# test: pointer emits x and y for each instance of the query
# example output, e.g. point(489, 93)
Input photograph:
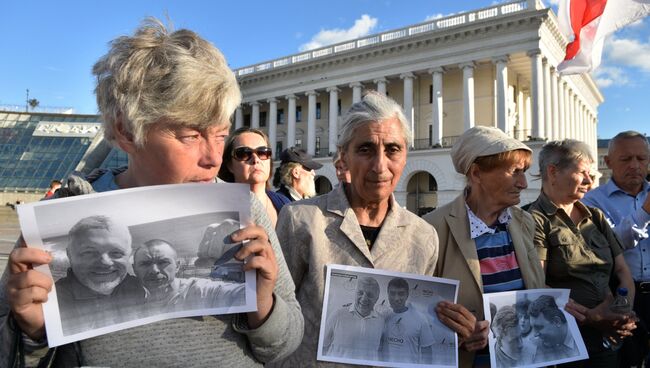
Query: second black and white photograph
point(114, 269)
point(385, 318)
point(530, 328)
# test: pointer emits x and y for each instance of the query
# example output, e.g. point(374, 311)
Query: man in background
point(551, 328)
point(625, 201)
point(296, 174)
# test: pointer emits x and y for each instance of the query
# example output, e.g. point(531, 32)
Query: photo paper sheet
point(385, 318)
point(129, 257)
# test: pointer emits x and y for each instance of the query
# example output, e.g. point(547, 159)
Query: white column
point(239, 118)
point(501, 92)
point(468, 94)
point(356, 91)
point(408, 101)
point(333, 118)
point(273, 123)
point(537, 96)
point(291, 121)
point(255, 115)
point(311, 122)
point(548, 122)
point(436, 106)
point(381, 85)
point(555, 110)
point(564, 105)
point(521, 116)
point(572, 115)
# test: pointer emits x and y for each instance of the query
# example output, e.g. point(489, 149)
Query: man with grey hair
point(297, 172)
point(156, 264)
point(355, 331)
point(625, 202)
point(97, 290)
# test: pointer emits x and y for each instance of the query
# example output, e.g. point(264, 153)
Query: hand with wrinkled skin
point(472, 334)
point(603, 319)
point(262, 259)
point(27, 289)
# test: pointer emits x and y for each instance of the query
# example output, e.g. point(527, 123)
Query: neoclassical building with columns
point(494, 66)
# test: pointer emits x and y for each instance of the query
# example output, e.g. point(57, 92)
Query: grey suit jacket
point(324, 230)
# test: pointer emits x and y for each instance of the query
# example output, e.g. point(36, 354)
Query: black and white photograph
point(530, 328)
point(130, 257)
point(385, 318)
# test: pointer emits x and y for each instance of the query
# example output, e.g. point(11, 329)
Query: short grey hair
point(563, 154)
point(80, 230)
point(156, 74)
point(373, 108)
point(286, 176)
point(628, 134)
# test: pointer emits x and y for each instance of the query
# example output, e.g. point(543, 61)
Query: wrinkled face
point(397, 298)
point(545, 330)
point(99, 259)
point(574, 181)
point(174, 154)
point(366, 298)
point(375, 158)
point(306, 184)
point(512, 339)
point(628, 160)
point(155, 266)
point(253, 170)
point(504, 184)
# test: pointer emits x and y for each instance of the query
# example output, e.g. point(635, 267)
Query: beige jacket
point(324, 230)
point(458, 258)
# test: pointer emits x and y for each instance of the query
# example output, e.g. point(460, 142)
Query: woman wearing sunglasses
point(247, 159)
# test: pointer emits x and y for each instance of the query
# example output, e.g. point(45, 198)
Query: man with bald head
point(97, 290)
point(625, 201)
point(355, 331)
point(156, 263)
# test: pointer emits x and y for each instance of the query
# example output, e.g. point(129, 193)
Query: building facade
point(494, 66)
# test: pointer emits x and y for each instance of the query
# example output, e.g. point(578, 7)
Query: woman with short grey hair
point(357, 223)
point(577, 247)
point(166, 99)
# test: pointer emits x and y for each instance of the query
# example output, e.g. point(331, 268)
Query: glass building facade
point(36, 148)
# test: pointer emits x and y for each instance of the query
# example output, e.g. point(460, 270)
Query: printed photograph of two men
point(130, 257)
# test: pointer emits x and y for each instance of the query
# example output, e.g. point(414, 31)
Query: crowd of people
point(166, 99)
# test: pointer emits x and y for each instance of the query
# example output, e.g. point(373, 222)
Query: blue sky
point(50, 46)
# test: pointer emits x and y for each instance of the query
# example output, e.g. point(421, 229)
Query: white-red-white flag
point(586, 23)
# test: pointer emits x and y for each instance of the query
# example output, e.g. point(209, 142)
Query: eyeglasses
point(245, 153)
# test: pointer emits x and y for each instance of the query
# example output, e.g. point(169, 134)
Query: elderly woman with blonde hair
point(577, 247)
point(166, 99)
point(486, 241)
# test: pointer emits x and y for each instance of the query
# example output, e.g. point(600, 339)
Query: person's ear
point(123, 137)
point(295, 172)
point(474, 173)
point(607, 161)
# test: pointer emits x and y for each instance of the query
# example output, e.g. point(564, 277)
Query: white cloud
point(434, 17)
point(362, 27)
point(628, 52)
point(607, 76)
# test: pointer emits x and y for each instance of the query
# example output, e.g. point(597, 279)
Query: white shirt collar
point(477, 227)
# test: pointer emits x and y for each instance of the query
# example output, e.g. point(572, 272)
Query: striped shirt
point(496, 253)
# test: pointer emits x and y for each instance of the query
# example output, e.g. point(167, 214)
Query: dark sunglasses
point(245, 153)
